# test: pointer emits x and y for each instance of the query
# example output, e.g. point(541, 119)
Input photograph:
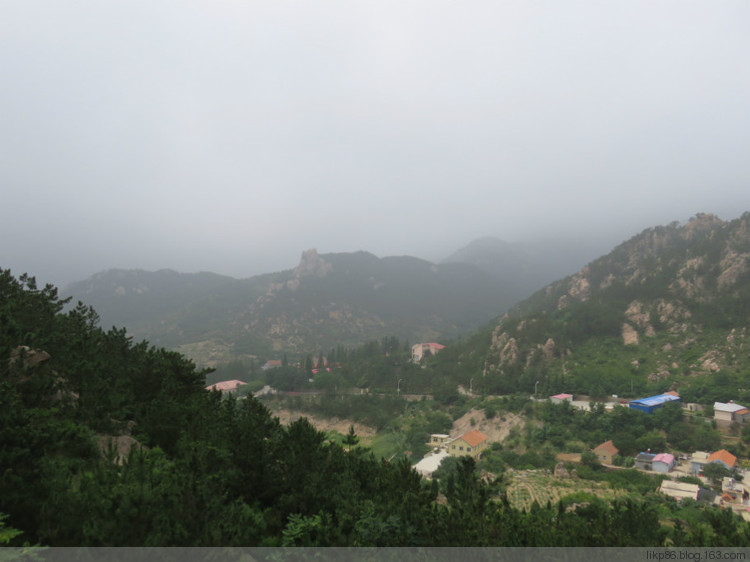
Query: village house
point(729, 413)
point(471, 443)
point(606, 452)
point(418, 350)
point(732, 491)
point(679, 490)
point(644, 461)
point(271, 364)
point(663, 462)
point(438, 439)
point(559, 398)
point(697, 462)
point(226, 386)
point(652, 403)
point(724, 458)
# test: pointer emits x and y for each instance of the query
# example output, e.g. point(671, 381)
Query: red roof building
point(471, 443)
point(724, 457)
point(418, 350)
point(606, 452)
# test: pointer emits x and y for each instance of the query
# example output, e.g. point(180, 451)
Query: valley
point(542, 397)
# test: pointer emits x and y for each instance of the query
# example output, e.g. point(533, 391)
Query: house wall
point(642, 408)
point(438, 440)
point(723, 418)
point(603, 456)
point(722, 463)
point(659, 466)
point(460, 448)
point(644, 461)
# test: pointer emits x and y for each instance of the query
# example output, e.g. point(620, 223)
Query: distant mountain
point(667, 309)
point(525, 267)
point(136, 298)
point(326, 300)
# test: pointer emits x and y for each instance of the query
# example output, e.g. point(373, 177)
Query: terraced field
point(527, 486)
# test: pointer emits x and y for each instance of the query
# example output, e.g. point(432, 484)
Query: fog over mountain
point(229, 137)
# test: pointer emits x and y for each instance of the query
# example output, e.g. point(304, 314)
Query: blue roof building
point(651, 403)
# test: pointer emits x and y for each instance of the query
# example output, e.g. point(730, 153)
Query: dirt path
point(342, 426)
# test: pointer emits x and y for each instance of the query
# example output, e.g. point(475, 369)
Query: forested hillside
point(327, 300)
point(206, 470)
point(668, 309)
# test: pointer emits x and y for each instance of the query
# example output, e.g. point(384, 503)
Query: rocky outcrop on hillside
point(679, 294)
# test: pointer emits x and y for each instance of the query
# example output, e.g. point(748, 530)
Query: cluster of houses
point(733, 493)
point(471, 443)
point(725, 414)
point(664, 462)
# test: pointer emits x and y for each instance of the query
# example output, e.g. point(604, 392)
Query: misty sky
point(230, 136)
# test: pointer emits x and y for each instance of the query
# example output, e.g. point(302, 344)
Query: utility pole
point(398, 387)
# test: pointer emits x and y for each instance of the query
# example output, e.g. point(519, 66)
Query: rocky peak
point(312, 264)
point(700, 223)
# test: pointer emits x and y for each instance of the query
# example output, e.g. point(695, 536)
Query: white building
point(418, 350)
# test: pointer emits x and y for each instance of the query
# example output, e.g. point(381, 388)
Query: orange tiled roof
point(725, 456)
point(608, 447)
point(474, 437)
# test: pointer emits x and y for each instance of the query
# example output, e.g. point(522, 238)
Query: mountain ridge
point(327, 299)
point(662, 310)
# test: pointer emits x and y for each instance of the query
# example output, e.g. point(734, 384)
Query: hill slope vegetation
point(668, 309)
point(327, 300)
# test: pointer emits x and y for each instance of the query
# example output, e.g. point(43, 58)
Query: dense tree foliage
point(204, 469)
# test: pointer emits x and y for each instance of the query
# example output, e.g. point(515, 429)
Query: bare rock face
point(701, 222)
point(312, 264)
point(639, 316)
point(733, 265)
point(688, 281)
point(499, 339)
point(710, 361)
point(118, 446)
point(27, 357)
point(509, 354)
point(670, 312)
point(661, 374)
point(487, 477)
point(561, 471)
point(629, 334)
point(607, 281)
point(579, 289)
point(548, 349)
